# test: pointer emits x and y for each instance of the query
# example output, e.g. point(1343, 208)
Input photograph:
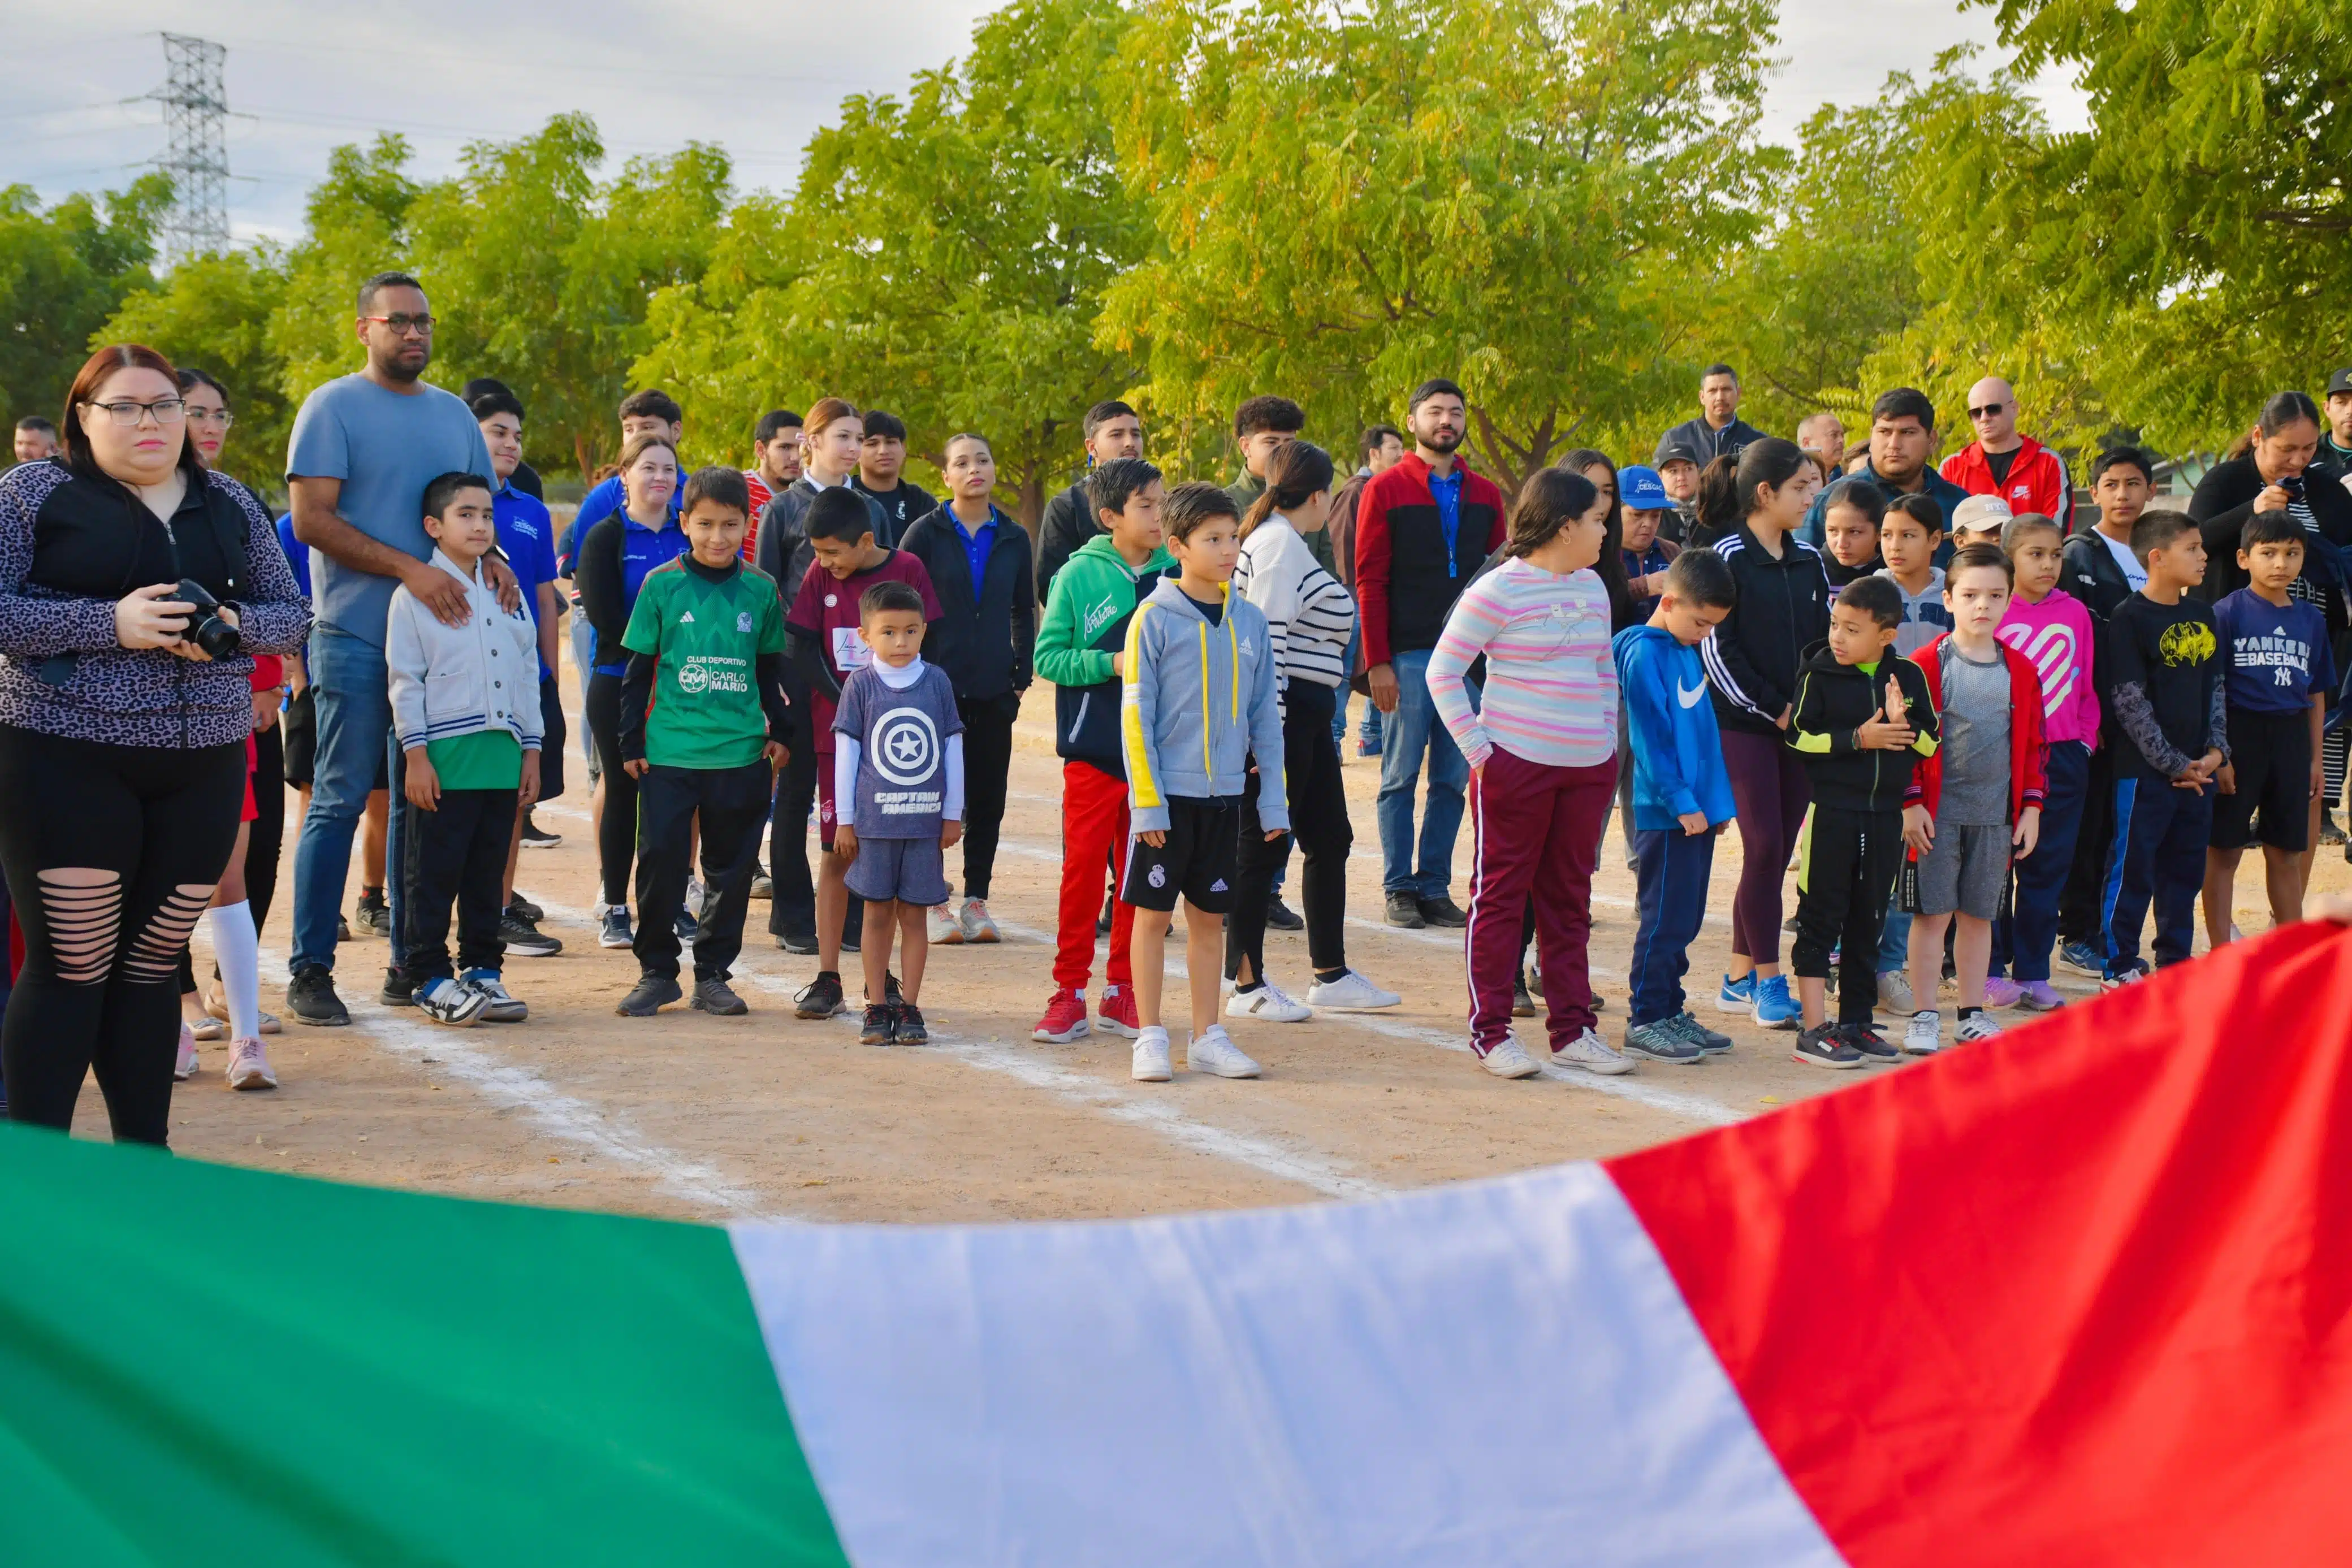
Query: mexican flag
point(2079, 1295)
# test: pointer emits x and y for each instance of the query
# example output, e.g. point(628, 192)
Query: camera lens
point(216, 637)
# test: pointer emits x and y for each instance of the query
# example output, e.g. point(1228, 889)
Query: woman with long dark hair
point(2265, 471)
point(1751, 659)
point(1542, 748)
point(1310, 620)
point(135, 585)
point(233, 1010)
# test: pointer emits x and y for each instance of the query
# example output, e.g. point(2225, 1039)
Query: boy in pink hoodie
point(2054, 630)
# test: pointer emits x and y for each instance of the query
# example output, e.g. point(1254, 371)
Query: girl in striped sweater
point(1309, 620)
point(1542, 748)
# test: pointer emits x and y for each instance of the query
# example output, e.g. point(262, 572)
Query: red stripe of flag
point(2075, 1295)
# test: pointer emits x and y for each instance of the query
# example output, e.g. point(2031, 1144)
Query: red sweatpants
point(1533, 828)
point(1094, 842)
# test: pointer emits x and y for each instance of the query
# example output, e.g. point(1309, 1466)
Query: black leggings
point(1319, 821)
point(987, 763)
point(616, 829)
point(112, 852)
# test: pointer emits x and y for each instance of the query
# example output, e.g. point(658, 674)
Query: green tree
point(1530, 196)
point(355, 225)
point(946, 257)
point(63, 270)
point(2190, 248)
point(212, 313)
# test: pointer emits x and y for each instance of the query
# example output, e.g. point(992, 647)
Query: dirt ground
point(703, 1118)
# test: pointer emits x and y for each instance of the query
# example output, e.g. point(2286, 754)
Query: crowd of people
point(1987, 738)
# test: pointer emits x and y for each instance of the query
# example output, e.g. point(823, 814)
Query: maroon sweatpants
point(1533, 829)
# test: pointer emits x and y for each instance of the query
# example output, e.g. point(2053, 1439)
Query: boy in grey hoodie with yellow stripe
point(1197, 704)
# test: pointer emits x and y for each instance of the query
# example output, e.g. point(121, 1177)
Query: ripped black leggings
point(112, 853)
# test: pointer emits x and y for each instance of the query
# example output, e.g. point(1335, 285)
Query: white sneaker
point(1152, 1064)
point(979, 925)
point(1895, 993)
point(1268, 1004)
point(941, 925)
point(185, 1066)
point(248, 1067)
point(1509, 1060)
point(1593, 1054)
point(1351, 993)
point(1979, 1026)
point(1923, 1036)
point(448, 1001)
point(499, 1006)
point(1215, 1053)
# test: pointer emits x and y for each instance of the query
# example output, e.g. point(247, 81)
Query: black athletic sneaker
point(1404, 909)
point(535, 836)
point(801, 941)
point(890, 989)
point(1443, 911)
point(1102, 921)
point(718, 999)
point(820, 998)
point(399, 989)
point(652, 991)
point(521, 904)
point(311, 996)
point(1873, 1046)
point(1824, 1046)
point(881, 1026)
point(910, 1025)
point(373, 915)
point(525, 940)
point(343, 929)
point(1523, 1006)
point(1280, 916)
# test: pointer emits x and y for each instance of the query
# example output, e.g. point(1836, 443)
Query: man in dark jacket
point(1113, 431)
point(1902, 440)
point(1422, 529)
point(1718, 431)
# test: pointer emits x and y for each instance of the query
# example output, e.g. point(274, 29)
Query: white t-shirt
point(2134, 573)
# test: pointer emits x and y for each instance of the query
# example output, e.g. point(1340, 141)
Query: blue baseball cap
point(1641, 489)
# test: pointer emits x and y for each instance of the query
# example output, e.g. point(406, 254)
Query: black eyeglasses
point(1988, 411)
point(402, 326)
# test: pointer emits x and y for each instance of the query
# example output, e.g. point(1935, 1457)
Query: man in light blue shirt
point(363, 448)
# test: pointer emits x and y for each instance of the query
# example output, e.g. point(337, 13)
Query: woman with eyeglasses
point(231, 1011)
point(135, 587)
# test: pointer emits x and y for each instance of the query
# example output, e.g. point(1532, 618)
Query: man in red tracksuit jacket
point(1999, 461)
point(1422, 529)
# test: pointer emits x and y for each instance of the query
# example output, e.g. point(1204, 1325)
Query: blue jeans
point(584, 659)
point(1405, 734)
point(1339, 709)
point(355, 741)
point(1895, 945)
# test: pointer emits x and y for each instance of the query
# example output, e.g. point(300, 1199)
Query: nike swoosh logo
point(1690, 698)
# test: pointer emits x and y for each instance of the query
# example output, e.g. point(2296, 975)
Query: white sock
point(237, 948)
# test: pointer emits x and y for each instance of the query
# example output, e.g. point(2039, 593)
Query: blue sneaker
point(1775, 1007)
point(2084, 959)
point(1737, 996)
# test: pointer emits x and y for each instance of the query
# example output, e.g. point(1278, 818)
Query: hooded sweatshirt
point(1925, 618)
point(1093, 596)
point(2057, 636)
point(1198, 700)
point(1833, 701)
point(1678, 750)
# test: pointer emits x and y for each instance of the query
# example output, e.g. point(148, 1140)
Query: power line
point(195, 108)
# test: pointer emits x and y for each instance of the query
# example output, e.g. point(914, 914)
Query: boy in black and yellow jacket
point(1862, 715)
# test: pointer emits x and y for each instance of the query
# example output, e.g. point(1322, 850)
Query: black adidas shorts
point(2269, 755)
point(1201, 861)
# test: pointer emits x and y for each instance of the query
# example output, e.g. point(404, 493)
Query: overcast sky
point(304, 76)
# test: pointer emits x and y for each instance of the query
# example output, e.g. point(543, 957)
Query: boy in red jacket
point(1974, 801)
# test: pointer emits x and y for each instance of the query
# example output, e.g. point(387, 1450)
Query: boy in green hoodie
point(1080, 646)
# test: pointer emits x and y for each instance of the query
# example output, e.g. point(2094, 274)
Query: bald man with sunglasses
point(1999, 461)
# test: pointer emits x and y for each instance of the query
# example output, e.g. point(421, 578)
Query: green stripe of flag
point(201, 1365)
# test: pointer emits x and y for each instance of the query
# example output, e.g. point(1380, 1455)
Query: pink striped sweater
point(1550, 695)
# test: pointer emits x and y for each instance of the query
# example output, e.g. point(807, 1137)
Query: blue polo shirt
point(976, 545)
point(600, 502)
point(642, 549)
point(527, 534)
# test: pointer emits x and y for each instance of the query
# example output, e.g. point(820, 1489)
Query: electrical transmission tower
point(195, 108)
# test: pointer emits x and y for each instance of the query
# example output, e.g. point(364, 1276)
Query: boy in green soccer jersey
point(702, 726)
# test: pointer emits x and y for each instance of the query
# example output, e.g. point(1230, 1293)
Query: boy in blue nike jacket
point(1682, 798)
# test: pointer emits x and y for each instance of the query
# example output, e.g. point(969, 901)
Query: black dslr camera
point(206, 629)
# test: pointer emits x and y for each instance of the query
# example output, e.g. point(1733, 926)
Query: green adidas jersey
point(706, 638)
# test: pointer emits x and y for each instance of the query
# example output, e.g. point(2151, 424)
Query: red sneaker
point(1065, 1019)
point(1117, 1015)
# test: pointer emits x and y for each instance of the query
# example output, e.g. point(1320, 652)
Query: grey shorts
point(1967, 871)
point(913, 871)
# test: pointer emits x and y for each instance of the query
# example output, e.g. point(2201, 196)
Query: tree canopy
point(64, 269)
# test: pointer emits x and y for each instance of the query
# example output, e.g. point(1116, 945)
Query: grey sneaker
point(1699, 1035)
point(717, 998)
point(1660, 1041)
point(1894, 994)
point(649, 995)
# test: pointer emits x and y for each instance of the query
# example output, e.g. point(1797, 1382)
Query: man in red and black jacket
point(1422, 529)
point(1999, 461)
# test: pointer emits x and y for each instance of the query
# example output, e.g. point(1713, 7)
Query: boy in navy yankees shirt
point(2278, 669)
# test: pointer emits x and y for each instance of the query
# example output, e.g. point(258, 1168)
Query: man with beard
point(1902, 445)
point(1718, 431)
point(775, 463)
point(363, 448)
point(1422, 531)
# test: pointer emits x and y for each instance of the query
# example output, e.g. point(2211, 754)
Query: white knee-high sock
point(236, 947)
